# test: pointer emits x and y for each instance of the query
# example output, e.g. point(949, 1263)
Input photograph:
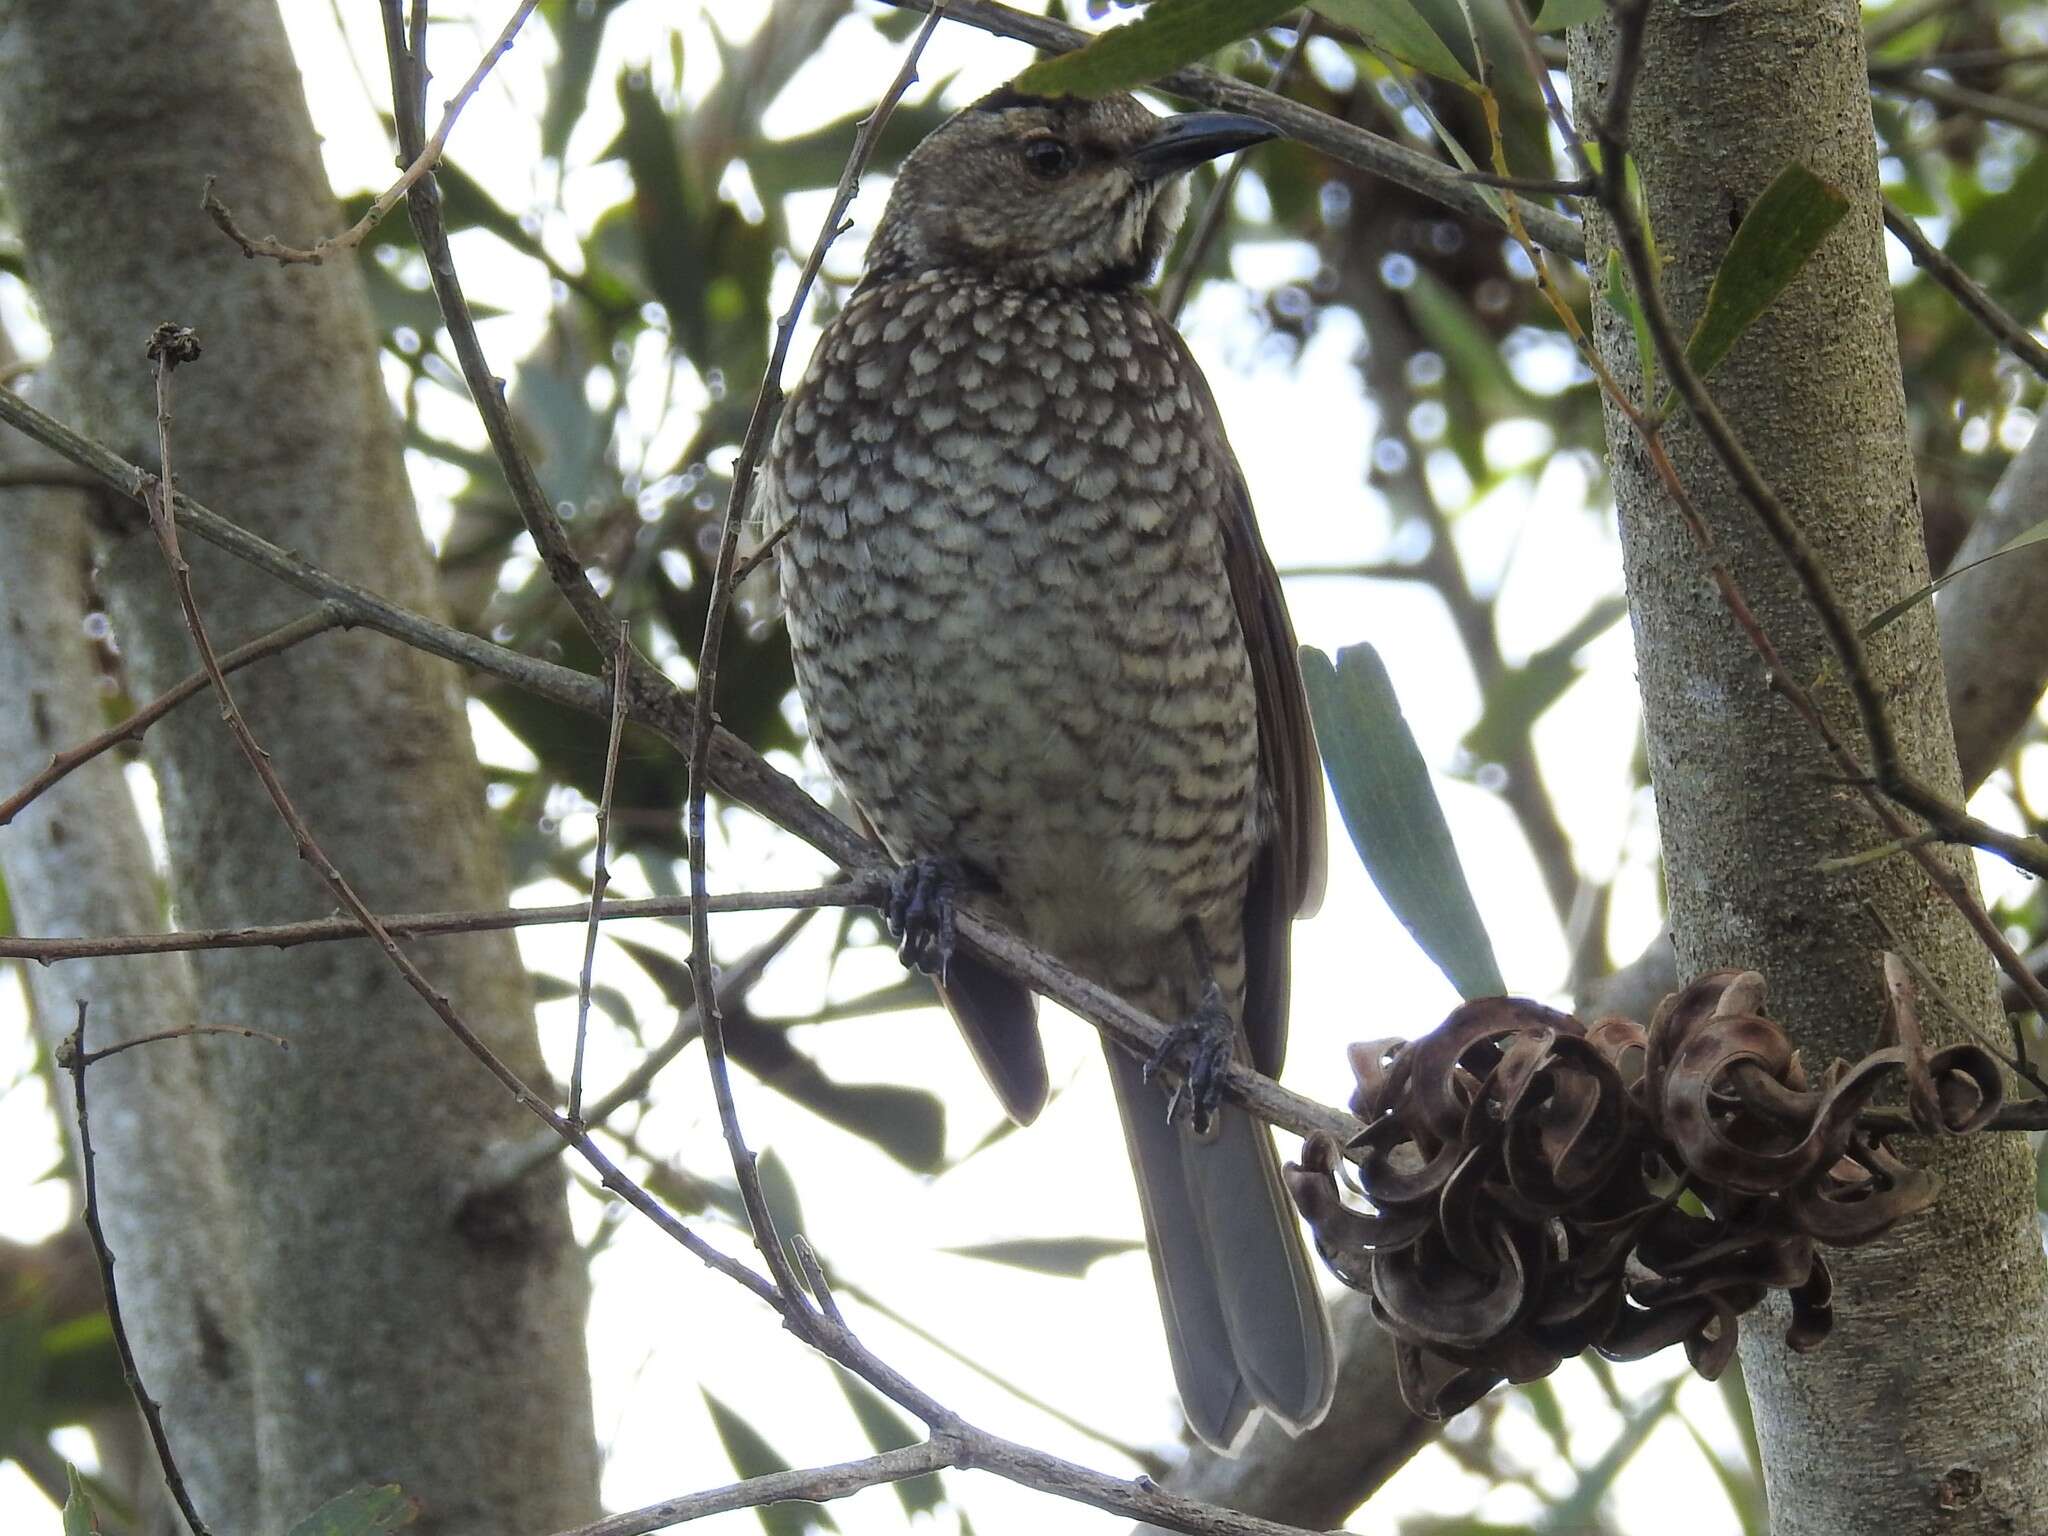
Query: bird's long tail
point(1244, 1324)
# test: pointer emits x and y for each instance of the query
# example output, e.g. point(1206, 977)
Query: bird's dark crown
point(1038, 191)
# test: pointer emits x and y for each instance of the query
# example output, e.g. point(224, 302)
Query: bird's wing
point(1287, 879)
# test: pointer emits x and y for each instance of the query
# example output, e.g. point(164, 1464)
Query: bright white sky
point(662, 1327)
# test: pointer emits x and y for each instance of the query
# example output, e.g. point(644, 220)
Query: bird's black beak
point(1184, 142)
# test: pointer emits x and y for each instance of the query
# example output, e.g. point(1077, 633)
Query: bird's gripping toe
point(1201, 1044)
point(920, 914)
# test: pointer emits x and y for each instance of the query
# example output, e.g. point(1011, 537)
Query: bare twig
point(73, 1058)
point(415, 925)
point(1993, 109)
point(813, 1485)
point(1175, 293)
point(1967, 291)
point(508, 1164)
point(183, 1031)
point(423, 162)
point(1339, 140)
point(600, 876)
point(71, 759)
point(767, 401)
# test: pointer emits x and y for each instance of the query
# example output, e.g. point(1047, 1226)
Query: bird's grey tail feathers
point(998, 1017)
point(1244, 1324)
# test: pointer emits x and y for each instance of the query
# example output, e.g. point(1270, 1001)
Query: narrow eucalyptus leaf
point(1905, 605)
point(1391, 811)
point(1782, 229)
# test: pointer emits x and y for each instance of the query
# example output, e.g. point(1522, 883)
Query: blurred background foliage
point(634, 399)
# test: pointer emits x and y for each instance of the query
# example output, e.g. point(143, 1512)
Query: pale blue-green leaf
point(1391, 811)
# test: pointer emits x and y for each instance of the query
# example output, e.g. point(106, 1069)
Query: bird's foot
point(1201, 1044)
point(919, 911)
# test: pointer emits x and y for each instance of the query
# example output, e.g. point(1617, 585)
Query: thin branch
point(1175, 294)
point(510, 1163)
point(422, 163)
point(1993, 109)
point(414, 925)
point(600, 876)
point(767, 401)
point(183, 1031)
point(73, 1058)
point(1967, 291)
point(812, 1485)
point(72, 759)
point(1339, 140)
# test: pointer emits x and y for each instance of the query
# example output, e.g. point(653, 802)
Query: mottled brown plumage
point(1040, 643)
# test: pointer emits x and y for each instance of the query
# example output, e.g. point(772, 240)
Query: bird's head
point(1050, 191)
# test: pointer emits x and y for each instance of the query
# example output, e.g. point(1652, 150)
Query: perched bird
point(1045, 654)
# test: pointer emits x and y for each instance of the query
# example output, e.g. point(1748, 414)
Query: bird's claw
point(1202, 1044)
point(919, 912)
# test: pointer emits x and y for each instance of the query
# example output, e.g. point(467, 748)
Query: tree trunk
point(76, 862)
point(1928, 1406)
point(388, 1342)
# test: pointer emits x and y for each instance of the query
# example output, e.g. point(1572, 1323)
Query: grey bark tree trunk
point(1928, 1407)
point(76, 862)
point(385, 1339)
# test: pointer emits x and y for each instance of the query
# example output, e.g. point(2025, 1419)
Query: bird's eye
point(1049, 159)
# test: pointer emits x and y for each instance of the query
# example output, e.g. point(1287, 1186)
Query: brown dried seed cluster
point(1539, 1187)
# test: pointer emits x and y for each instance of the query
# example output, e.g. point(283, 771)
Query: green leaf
point(1069, 1257)
point(80, 1518)
point(1391, 811)
point(1576, 1511)
point(1621, 298)
point(752, 1456)
point(1556, 15)
point(361, 1512)
point(1905, 605)
point(1541, 1397)
point(579, 32)
point(1784, 227)
point(1744, 1494)
point(1396, 27)
point(1170, 34)
point(888, 1430)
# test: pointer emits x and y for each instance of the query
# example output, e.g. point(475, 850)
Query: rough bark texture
point(1928, 1407)
point(76, 862)
point(1994, 625)
point(387, 1342)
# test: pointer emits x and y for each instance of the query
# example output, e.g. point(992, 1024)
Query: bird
point(1043, 651)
